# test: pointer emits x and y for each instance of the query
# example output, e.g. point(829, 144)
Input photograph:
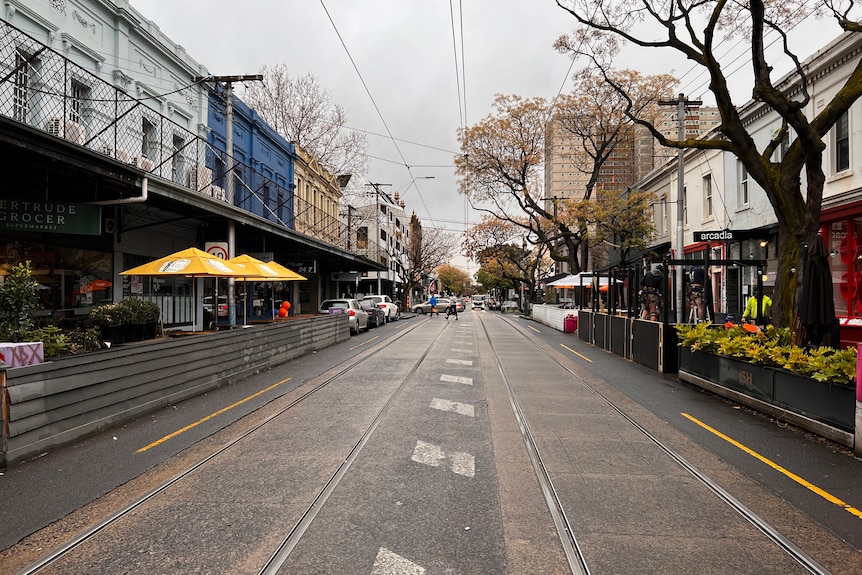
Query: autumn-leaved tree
point(506, 257)
point(695, 29)
point(303, 112)
point(599, 137)
point(501, 167)
point(623, 220)
point(452, 279)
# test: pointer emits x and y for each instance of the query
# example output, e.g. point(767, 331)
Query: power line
point(373, 102)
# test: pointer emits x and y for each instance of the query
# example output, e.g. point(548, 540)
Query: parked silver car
point(350, 306)
point(442, 304)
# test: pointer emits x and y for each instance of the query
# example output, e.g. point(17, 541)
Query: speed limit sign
point(217, 249)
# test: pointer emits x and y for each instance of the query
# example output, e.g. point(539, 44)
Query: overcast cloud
point(404, 54)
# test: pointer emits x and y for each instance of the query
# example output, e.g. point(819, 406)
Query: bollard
point(857, 440)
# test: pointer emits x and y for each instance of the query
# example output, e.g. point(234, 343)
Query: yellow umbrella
point(264, 271)
point(257, 269)
point(188, 262)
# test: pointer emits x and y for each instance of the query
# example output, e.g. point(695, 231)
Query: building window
point(148, 139)
point(362, 238)
point(176, 160)
point(79, 95)
point(742, 173)
point(707, 196)
point(663, 223)
point(842, 143)
point(21, 90)
point(685, 205)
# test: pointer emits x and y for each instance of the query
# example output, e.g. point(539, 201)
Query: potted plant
point(110, 319)
point(141, 317)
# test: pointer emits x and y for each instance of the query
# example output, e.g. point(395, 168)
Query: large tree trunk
point(798, 224)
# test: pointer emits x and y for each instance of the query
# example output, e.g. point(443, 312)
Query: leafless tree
point(303, 112)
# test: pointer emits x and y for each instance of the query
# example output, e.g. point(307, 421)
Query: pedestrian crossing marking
point(456, 379)
point(433, 455)
point(389, 563)
point(453, 406)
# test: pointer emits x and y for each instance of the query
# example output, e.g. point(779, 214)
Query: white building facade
point(718, 195)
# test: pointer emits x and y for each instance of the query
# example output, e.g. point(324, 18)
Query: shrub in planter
point(55, 341)
point(772, 347)
point(110, 319)
point(17, 299)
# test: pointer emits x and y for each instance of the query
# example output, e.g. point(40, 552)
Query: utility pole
point(229, 175)
point(681, 104)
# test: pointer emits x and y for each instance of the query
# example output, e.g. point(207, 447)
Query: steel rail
point(331, 375)
point(274, 563)
point(574, 555)
point(758, 522)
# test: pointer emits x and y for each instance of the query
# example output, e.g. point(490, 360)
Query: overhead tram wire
point(374, 103)
point(461, 96)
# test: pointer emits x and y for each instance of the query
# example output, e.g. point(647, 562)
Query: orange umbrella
point(95, 285)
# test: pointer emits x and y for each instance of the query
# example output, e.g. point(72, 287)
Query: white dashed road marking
point(453, 406)
point(460, 361)
point(429, 454)
point(457, 379)
point(389, 563)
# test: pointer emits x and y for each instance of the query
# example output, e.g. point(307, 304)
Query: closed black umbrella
point(817, 304)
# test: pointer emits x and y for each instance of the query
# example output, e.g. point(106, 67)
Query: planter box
point(150, 329)
point(754, 380)
point(706, 365)
point(116, 334)
point(827, 402)
point(830, 404)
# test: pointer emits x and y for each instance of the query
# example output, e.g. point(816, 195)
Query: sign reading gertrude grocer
point(50, 217)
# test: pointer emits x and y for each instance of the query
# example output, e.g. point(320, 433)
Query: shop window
point(846, 266)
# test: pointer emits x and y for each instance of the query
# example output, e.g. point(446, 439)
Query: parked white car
point(389, 307)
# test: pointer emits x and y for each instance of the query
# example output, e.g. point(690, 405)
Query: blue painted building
point(263, 161)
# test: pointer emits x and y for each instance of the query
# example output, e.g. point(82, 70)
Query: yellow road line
point(208, 417)
point(810, 486)
point(534, 329)
point(576, 353)
point(366, 342)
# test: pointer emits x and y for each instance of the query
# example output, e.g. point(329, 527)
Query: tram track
point(288, 542)
point(565, 531)
point(274, 552)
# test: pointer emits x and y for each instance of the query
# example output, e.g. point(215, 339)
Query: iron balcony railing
point(45, 90)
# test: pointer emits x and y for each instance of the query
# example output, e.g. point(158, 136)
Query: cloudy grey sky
point(396, 72)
